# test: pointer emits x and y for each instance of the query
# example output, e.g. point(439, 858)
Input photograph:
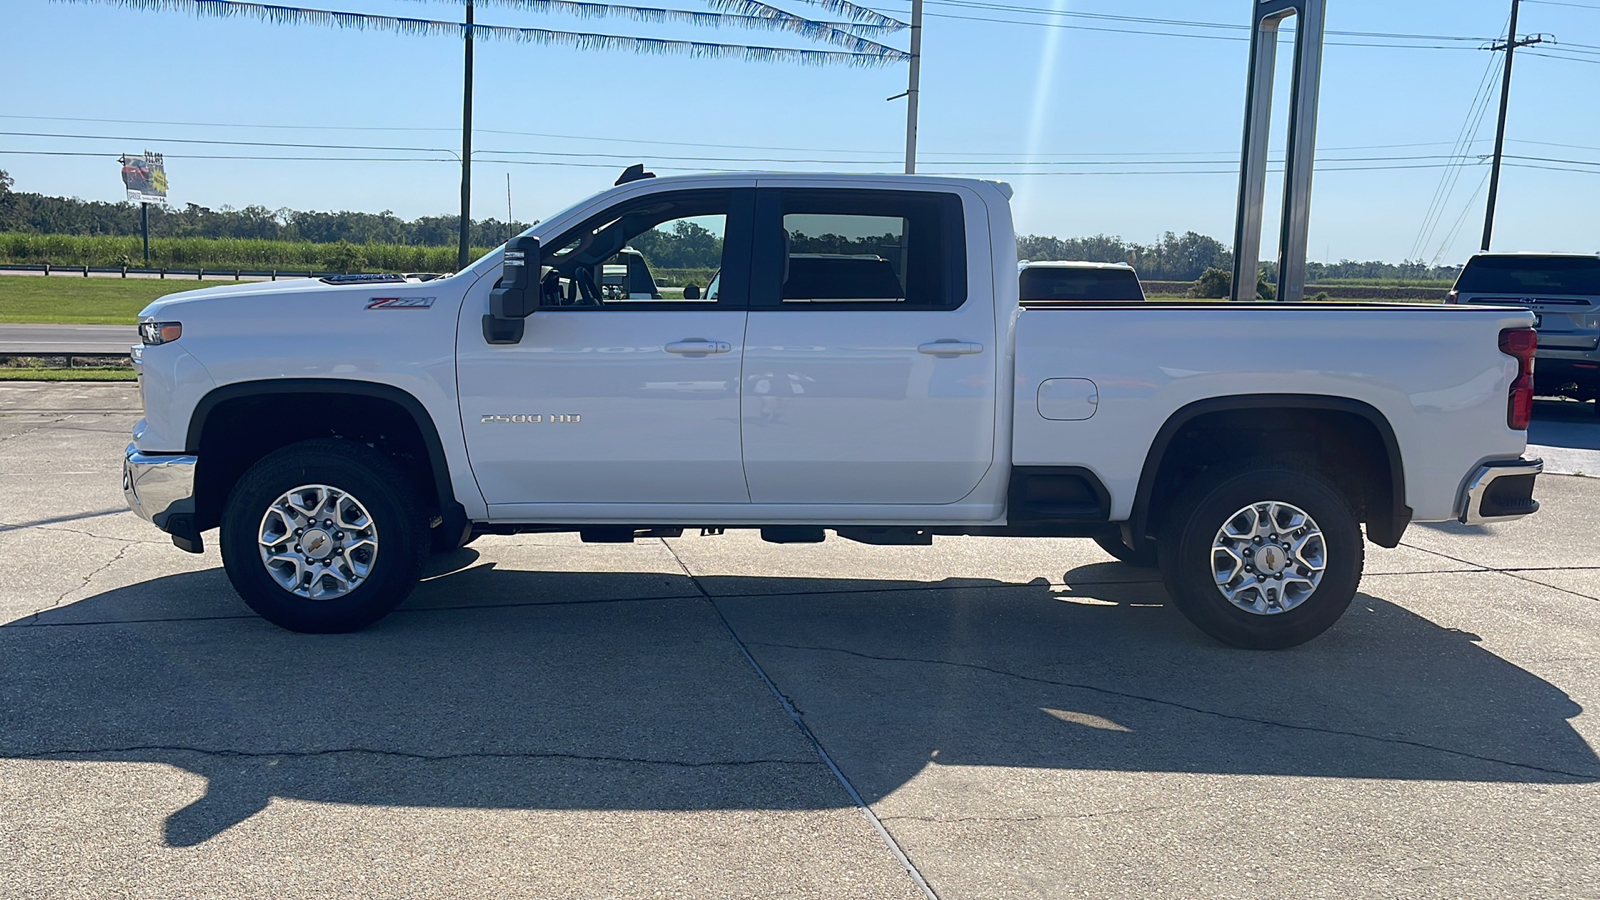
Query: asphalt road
point(546, 718)
point(67, 339)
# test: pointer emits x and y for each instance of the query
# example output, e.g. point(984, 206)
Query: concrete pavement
point(546, 718)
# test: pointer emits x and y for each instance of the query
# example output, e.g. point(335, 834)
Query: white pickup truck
point(860, 363)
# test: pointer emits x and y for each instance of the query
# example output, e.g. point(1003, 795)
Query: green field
point(84, 301)
point(222, 254)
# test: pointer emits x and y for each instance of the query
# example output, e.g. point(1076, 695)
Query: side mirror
point(691, 292)
point(515, 295)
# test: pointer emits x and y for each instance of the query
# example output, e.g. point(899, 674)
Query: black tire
point(1196, 518)
point(1143, 558)
point(370, 477)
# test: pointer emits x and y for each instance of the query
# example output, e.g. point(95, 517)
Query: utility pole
point(914, 87)
point(1510, 47)
point(466, 152)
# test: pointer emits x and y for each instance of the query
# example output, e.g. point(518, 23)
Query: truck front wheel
point(324, 536)
point(1262, 559)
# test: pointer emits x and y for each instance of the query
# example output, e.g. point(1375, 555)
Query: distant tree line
point(30, 213)
point(1186, 257)
point(1174, 257)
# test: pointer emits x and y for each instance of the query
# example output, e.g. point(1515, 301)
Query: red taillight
point(1520, 344)
point(1453, 297)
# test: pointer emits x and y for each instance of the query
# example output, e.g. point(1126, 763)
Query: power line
point(1465, 137)
point(558, 154)
point(1565, 3)
point(1187, 23)
point(216, 142)
point(1576, 59)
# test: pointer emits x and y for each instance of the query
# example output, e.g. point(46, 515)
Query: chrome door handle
point(950, 348)
point(698, 347)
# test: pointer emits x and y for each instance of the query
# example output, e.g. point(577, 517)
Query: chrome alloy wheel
point(1268, 558)
point(318, 542)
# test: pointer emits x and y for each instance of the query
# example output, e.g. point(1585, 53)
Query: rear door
point(869, 358)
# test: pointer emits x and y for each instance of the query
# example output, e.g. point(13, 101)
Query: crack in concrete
point(229, 753)
point(35, 428)
point(1198, 710)
point(8, 526)
point(86, 579)
point(957, 820)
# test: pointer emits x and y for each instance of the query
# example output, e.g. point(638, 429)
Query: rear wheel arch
point(1349, 439)
point(236, 425)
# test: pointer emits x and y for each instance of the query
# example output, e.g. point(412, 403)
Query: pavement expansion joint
point(799, 721)
point(229, 753)
point(1512, 571)
point(1593, 776)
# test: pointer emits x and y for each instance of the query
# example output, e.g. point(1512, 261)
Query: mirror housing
point(691, 292)
point(516, 295)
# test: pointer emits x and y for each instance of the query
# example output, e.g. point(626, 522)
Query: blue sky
point(999, 101)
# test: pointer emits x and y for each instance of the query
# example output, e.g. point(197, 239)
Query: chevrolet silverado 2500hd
point(860, 363)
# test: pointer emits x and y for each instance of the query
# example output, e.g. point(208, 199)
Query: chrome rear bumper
point(160, 488)
point(1500, 492)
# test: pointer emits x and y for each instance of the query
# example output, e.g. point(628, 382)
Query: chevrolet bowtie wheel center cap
point(318, 542)
point(1268, 558)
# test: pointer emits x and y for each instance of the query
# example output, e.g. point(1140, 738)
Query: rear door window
point(859, 249)
point(1526, 275)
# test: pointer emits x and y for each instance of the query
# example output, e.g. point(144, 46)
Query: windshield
point(1531, 274)
point(1086, 285)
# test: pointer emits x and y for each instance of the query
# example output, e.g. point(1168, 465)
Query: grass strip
point(59, 300)
point(85, 374)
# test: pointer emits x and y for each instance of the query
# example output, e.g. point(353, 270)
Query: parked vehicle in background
point(1079, 282)
point(1563, 291)
point(862, 364)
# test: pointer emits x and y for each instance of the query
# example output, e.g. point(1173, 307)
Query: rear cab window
point(1530, 275)
point(1083, 285)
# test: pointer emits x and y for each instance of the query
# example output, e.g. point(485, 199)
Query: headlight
point(154, 333)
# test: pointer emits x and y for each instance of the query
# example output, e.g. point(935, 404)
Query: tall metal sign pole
point(466, 151)
point(914, 86)
point(1268, 16)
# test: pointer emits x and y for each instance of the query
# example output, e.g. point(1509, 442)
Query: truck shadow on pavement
point(503, 689)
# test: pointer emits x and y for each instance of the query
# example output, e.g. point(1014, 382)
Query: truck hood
point(173, 305)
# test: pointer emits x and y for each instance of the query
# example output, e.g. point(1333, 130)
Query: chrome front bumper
point(1500, 492)
point(160, 488)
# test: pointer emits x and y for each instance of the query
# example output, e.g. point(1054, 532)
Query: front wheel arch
point(234, 426)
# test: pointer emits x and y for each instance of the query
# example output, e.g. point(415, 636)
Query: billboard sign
point(145, 177)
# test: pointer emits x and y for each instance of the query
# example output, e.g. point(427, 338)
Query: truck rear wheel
point(1262, 559)
point(323, 537)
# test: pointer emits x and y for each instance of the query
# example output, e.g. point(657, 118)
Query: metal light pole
point(466, 151)
point(913, 87)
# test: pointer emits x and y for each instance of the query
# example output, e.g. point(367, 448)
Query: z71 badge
point(399, 303)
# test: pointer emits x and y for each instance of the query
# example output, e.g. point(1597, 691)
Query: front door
point(869, 360)
point(627, 389)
